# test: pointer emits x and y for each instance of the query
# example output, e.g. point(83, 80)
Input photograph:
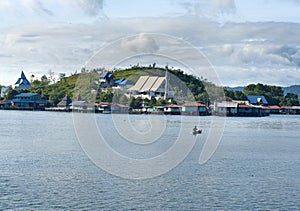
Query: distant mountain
point(238, 88)
point(292, 89)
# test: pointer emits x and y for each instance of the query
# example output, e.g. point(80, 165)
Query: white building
point(151, 86)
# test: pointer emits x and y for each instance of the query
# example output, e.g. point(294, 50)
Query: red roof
point(194, 104)
point(90, 104)
point(287, 107)
point(271, 107)
point(172, 106)
point(245, 106)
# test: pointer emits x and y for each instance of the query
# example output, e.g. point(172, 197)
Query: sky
point(241, 41)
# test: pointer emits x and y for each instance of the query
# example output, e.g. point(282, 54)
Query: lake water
point(43, 166)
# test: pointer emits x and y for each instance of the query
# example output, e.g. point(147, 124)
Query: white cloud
point(37, 6)
point(244, 50)
point(226, 6)
point(5, 4)
point(216, 10)
point(87, 7)
point(140, 43)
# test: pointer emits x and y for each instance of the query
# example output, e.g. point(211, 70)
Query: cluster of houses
point(255, 106)
point(146, 87)
point(24, 101)
point(80, 105)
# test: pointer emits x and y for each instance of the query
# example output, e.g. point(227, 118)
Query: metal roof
point(140, 83)
point(149, 83)
point(120, 80)
point(103, 75)
point(194, 104)
point(157, 84)
point(254, 99)
point(26, 95)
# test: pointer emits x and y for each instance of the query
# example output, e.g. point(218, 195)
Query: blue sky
point(245, 41)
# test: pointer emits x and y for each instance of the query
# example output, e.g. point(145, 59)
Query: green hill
point(86, 84)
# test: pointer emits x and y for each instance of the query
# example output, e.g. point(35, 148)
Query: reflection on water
point(256, 166)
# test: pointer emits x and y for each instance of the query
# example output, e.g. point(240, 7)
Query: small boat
point(196, 131)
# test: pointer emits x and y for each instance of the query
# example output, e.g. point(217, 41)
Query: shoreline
point(140, 112)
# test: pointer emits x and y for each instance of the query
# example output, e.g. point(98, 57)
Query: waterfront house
point(194, 108)
point(229, 107)
point(272, 109)
point(77, 105)
point(119, 108)
point(5, 104)
point(104, 108)
point(29, 101)
point(157, 110)
point(172, 109)
point(296, 109)
point(89, 107)
point(225, 108)
point(64, 104)
point(249, 110)
point(290, 110)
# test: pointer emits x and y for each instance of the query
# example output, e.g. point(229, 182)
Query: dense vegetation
point(185, 86)
point(54, 92)
point(200, 89)
point(273, 94)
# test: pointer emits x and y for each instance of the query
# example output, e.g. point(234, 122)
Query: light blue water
point(256, 166)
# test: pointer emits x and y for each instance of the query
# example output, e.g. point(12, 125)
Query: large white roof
point(140, 83)
point(148, 83)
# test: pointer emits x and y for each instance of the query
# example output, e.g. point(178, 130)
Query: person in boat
point(195, 129)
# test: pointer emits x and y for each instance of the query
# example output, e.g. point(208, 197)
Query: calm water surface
point(43, 167)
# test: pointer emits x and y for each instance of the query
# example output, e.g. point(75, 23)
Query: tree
point(123, 100)
point(152, 101)
point(290, 99)
point(10, 93)
point(62, 76)
point(161, 102)
point(273, 94)
point(202, 98)
point(135, 102)
point(51, 76)
point(32, 77)
point(235, 95)
point(45, 80)
point(106, 96)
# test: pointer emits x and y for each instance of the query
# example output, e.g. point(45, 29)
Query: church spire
point(22, 82)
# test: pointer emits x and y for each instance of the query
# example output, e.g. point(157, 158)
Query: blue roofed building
point(123, 84)
point(22, 82)
point(257, 100)
point(29, 101)
point(106, 80)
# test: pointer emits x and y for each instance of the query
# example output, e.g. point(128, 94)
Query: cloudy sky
point(243, 41)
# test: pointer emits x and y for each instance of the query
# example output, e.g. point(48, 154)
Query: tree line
point(201, 90)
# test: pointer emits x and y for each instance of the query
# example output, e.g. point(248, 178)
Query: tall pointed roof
point(65, 101)
point(22, 82)
point(78, 98)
